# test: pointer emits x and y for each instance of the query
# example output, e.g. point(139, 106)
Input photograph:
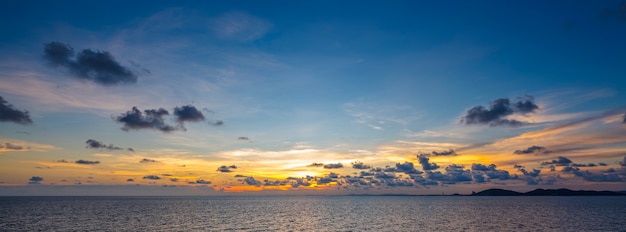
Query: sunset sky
point(299, 97)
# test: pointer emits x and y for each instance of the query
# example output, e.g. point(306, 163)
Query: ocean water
point(313, 213)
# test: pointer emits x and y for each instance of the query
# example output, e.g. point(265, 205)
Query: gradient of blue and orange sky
point(298, 97)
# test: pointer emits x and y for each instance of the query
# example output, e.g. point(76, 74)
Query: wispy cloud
point(240, 26)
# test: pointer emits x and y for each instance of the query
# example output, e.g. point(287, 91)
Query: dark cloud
point(10, 114)
point(333, 166)
point(315, 165)
point(94, 144)
point(360, 165)
point(188, 113)
point(10, 146)
point(444, 153)
point(406, 167)
point(130, 180)
point(426, 166)
point(225, 168)
point(498, 110)
point(243, 138)
point(152, 177)
point(149, 119)
point(86, 162)
point(62, 161)
point(146, 160)
point(203, 182)
point(239, 176)
point(217, 123)
point(174, 179)
point(130, 149)
point(251, 181)
point(36, 178)
point(561, 161)
point(97, 66)
point(624, 118)
point(537, 150)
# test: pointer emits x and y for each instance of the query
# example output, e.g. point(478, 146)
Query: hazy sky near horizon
point(331, 97)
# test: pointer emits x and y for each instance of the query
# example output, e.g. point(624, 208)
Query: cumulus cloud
point(426, 166)
point(94, 144)
point(97, 66)
point(537, 150)
point(149, 119)
point(146, 160)
point(10, 114)
point(496, 113)
point(155, 118)
point(251, 181)
point(152, 177)
point(87, 161)
point(10, 146)
point(360, 165)
point(188, 113)
point(406, 167)
point(561, 161)
point(225, 168)
point(333, 166)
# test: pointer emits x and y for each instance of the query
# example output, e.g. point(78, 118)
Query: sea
point(314, 213)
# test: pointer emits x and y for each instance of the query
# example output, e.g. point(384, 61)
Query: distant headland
point(547, 192)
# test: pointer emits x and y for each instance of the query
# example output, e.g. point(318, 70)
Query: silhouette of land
point(547, 192)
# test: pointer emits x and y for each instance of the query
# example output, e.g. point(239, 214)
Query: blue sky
point(273, 88)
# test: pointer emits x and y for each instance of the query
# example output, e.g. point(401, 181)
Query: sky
point(323, 98)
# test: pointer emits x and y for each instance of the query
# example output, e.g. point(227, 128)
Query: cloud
point(86, 162)
point(94, 144)
point(240, 26)
point(136, 120)
point(561, 161)
point(624, 118)
point(537, 150)
point(12, 147)
point(152, 177)
point(360, 165)
point(498, 110)
point(315, 165)
point(188, 113)
point(225, 168)
point(146, 160)
point(407, 167)
point(444, 153)
point(217, 123)
point(251, 181)
point(35, 180)
point(97, 66)
point(243, 138)
point(203, 182)
point(9, 114)
point(426, 166)
point(130, 180)
point(333, 166)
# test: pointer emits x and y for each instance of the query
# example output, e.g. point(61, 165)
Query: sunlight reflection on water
point(313, 213)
